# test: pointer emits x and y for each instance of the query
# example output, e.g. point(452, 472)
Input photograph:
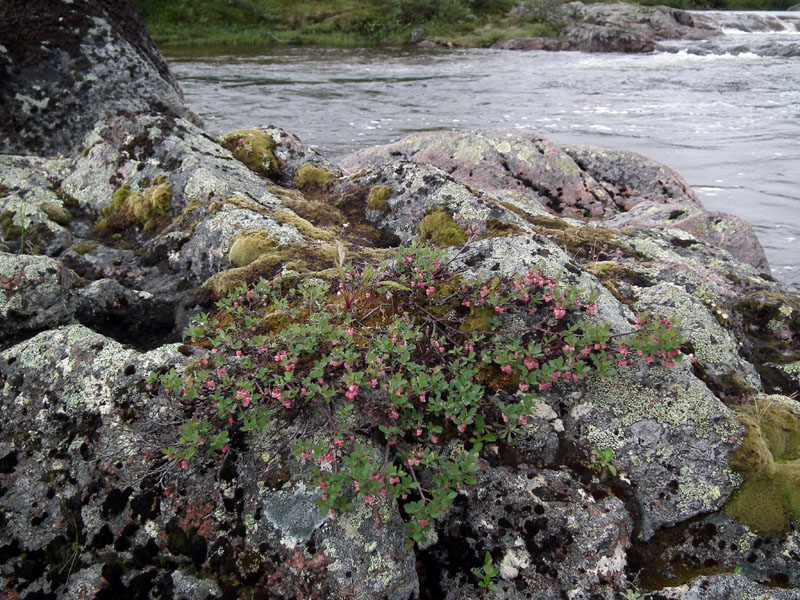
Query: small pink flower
point(524, 387)
point(393, 479)
point(506, 369)
point(369, 498)
point(184, 464)
point(462, 427)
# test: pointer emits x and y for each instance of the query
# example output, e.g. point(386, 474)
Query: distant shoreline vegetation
point(350, 23)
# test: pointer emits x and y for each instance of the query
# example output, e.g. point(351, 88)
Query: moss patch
point(769, 460)
point(83, 247)
point(149, 208)
point(318, 213)
point(255, 149)
point(56, 213)
point(495, 228)
point(306, 259)
point(10, 230)
point(248, 246)
point(302, 225)
point(440, 229)
point(311, 176)
point(378, 195)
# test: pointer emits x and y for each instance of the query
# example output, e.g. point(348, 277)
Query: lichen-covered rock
point(722, 587)
point(35, 294)
point(414, 202)
point(714, 350)
point(715, 544)
point(68, 64)
point(671, 437)
point(546, 532)
point(632, 178)
point(532, 168)
point(718, 229)
point(33, 217)
point(90, 503)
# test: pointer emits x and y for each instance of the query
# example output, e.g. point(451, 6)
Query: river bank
point(454, 23)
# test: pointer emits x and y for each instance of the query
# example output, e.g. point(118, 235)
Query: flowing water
point(724, 113)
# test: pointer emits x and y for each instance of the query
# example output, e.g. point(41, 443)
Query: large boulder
point(613, 27)
point(66, 64)
point(577, 183)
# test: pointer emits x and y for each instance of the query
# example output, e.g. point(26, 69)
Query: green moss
point(118, 199)
point(769, 461)
point(10, 230)
point(302, 225)
point(56, 213)
point(495, 228)
point(440, 229)
point(305, 259)
point(248, 246)
point(311, 176)
point(149, 208)
point(319, 214)
point(84, 247)
point(255, 149)
point(477, 320)
point(378, 195)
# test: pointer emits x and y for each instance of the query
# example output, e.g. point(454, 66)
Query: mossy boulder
point(255, 149)
point(769, 461)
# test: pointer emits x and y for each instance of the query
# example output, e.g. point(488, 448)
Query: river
point(723, 113)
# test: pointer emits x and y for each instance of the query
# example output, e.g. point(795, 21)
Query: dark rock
point(65, 65)
point(722, 587)
point(715, 543)
point(547, 533)
point(600, 38)
point(35, 294)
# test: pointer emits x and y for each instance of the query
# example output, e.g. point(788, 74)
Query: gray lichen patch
point(293, 512)
point(713, 347)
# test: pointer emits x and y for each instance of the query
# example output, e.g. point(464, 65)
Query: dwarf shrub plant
point(412, 356)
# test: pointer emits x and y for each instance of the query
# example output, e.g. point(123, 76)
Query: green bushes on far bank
point(336, 22)
point(368, 22)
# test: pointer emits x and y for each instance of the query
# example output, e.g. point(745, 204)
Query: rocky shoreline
point(122, 219)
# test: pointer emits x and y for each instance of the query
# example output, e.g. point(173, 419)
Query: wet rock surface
point(108, 252)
